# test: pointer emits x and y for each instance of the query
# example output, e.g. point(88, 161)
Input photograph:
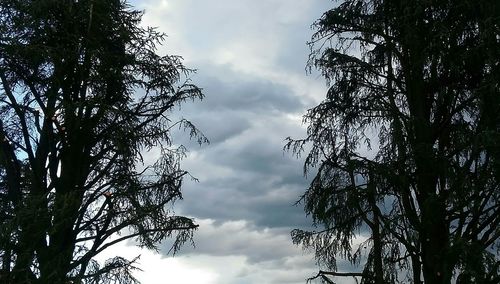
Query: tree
point(83, 94)
point(406, 142)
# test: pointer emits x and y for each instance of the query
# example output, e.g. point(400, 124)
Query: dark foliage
point(406, 143)
point(83, 93)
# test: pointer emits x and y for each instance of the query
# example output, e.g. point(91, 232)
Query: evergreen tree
point(83, 93)
point(406, 143)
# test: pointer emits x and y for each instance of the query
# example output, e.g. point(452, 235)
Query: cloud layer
point(250, 56)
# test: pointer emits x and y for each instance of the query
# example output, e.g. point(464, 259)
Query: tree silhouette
point(83, 94)
point(406, 143)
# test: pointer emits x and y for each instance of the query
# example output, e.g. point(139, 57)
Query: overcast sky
point(250, 56)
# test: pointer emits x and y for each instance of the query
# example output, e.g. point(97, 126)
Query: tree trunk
point(435, 243)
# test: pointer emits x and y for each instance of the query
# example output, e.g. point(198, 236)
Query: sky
point(250, 57)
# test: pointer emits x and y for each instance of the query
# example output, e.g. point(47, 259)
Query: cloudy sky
point(250, 56)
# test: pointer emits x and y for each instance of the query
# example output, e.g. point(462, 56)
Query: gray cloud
point(244, 173)
point(246, 93)
point(250, 57)
point(267, 254)
point(241, 238)
point(247, 177)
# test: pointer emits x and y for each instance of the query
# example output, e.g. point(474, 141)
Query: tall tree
point(406, 143)
point(83, 93)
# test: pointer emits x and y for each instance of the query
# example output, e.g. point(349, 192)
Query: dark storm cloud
point(247, 177)
point(250, 56)
point(244, 173)
point(235, 102)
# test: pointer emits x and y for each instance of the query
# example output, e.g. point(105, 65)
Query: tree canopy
point(405, 147)
point(83, 93)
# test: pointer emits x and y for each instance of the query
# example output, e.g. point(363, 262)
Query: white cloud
point(239, 252)
point(157, 269)
point(241, 238)
point(256, 38)
point(226, 253)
